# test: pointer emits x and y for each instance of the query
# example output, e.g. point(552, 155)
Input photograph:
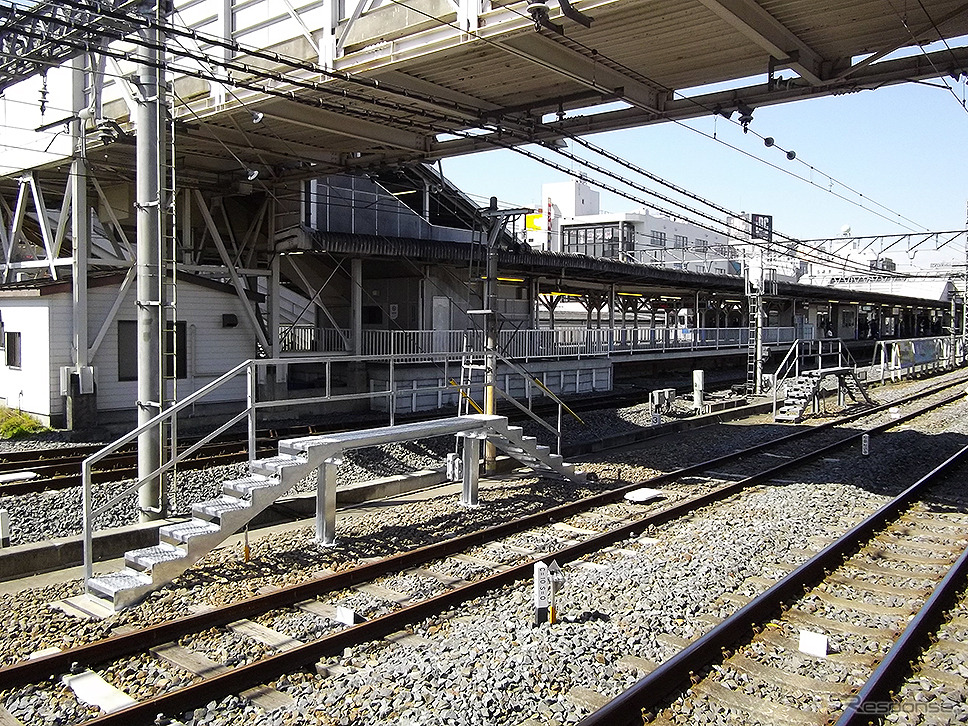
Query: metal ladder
point(168, 345)
point(753, 311)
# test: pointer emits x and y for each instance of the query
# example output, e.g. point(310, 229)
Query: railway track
point(425, 568)
point(51, 469)
point(906, 559)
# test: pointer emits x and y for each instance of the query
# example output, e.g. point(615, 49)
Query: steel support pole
point(80, 219)
point(148, 214)
point(356, 305)
point(490, 352)
point(758, 381)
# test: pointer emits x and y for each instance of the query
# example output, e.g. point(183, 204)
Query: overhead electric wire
point(713, 111)
point(229, 81)
point(925, 53)
point(315, 87)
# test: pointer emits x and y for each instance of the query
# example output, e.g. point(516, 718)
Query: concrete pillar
point(326, 504)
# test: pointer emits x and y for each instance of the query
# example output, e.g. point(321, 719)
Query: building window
point(594, 241)
point(128, 350)
point(12, 344)
point(681, 241)
point(658, 239)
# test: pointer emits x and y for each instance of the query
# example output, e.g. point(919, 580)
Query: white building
point(211, 335)
point(571, 221)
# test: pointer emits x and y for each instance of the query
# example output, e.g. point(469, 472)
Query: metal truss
point(50, 34)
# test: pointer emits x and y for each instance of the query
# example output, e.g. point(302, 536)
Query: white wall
point(27, 387)
point(212, 349)
point(45, 324)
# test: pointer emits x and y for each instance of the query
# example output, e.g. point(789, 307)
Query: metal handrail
point(886, 349)
point(252, 405)
point(784, 366)
point(414, 345)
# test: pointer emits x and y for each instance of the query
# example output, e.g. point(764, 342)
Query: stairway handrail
point(89, 512)
point(783, 370)
point(525, 374)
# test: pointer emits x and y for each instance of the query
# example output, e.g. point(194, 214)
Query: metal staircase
point(855, 389)
point(804, 390)
point(183, 544)
point(802, 372)
point(800, 393)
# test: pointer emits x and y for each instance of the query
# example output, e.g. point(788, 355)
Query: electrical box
point(85, 379)
point(662, 399)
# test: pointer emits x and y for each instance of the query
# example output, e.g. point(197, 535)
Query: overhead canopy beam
point(355, 128)
point(926, 33)
point(767, 32)
point(584, 70)
point(900, 70)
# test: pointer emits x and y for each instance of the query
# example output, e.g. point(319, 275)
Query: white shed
point(213, 334)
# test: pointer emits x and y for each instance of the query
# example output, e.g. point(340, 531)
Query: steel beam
point(47, 35)
point(767, 32)
point(885, 73)
point(583, 69)
point(80, 217)
point(233, 274)
point(149, 149)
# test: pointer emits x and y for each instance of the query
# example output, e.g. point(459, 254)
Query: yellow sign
point(534, 222)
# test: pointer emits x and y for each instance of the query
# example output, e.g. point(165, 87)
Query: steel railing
point(252, 371)
point(913, 356)
point(525, 345)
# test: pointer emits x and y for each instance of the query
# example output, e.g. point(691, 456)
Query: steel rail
point(48, 460)
point(55, 468)
point(269, 668)
point(626, 709)
point(121, 645)
point(877, 693)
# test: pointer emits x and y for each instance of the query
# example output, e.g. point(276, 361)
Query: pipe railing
point(911, 356)
point(251, 370)
point(526, 345)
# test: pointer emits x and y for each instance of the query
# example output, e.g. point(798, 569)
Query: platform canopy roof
point(356, 84)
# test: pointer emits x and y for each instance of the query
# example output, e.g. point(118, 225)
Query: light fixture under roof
point(251, 174)
point(257, 117)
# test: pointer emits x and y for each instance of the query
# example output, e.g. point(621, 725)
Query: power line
point(715, 111)
point(925, 53)
point(259, 73)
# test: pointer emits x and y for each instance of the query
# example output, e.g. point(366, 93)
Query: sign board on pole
point(761, 227)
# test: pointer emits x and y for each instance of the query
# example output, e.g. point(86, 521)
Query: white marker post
point(542, 593)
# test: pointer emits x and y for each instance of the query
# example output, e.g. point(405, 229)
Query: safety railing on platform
point(531, 383)
point(913, 356)
point(526, 345)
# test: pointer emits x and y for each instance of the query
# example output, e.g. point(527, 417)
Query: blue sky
point(902, 147)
